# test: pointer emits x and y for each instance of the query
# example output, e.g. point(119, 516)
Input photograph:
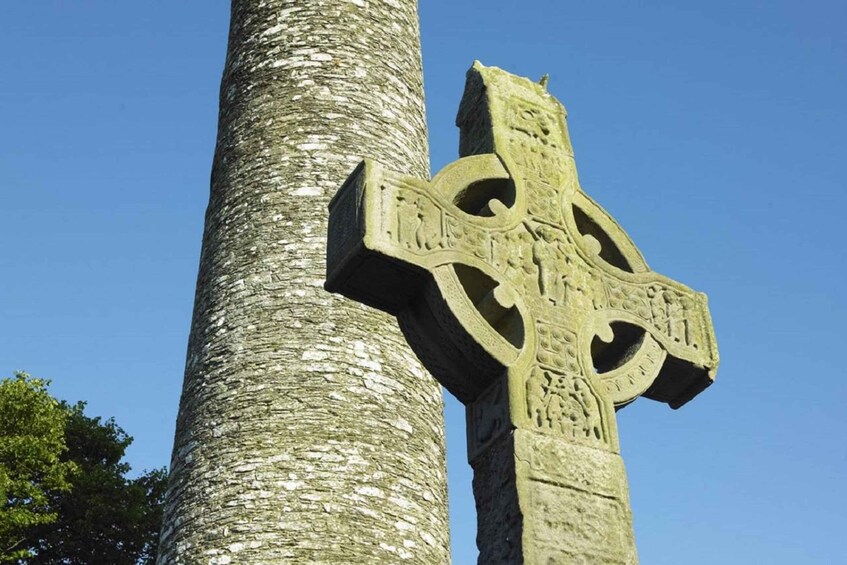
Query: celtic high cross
point(531, 305)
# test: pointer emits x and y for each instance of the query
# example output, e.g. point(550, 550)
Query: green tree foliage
point(32, 461)
point(97, 515)
point(105, 517)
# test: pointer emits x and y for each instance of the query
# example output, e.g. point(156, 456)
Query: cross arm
point(356, 267)
point(677, 358)
point(417, 250)
point(388, 230)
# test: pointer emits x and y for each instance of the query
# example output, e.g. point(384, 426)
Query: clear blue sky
point(716, 133)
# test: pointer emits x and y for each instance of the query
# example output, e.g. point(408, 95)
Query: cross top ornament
point(529, 303)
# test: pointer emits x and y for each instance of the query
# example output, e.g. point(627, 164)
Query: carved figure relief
point(408, 220)
point(535, 141)
point(546, 257)
point(564, 404)
point(666, 310)
point(428, 232)
point(418, 222)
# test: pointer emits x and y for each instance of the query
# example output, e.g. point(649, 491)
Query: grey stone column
point(307, 431)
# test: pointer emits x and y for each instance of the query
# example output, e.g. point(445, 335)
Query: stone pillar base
point(551, 502)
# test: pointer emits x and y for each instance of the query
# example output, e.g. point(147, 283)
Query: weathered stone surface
point(308, 431)
point(530, 304)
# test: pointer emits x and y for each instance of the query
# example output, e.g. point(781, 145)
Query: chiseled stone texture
point(307, 432)
point(575, 502)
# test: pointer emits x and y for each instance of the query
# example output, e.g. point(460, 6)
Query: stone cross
point(527, 301)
